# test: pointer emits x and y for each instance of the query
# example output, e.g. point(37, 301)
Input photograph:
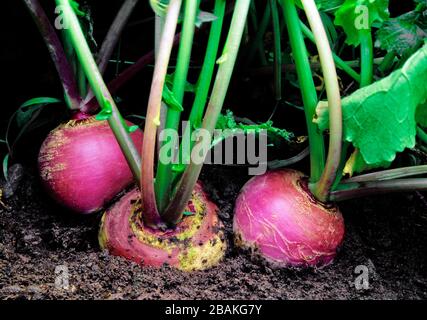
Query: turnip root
point(197, 242)
point(277, 217)
point(82, 166)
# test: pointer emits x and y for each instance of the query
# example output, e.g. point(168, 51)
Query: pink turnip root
point(82, 166)
point(197, 242)
point(277, 218)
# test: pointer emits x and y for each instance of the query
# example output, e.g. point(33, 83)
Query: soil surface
point(40, 243)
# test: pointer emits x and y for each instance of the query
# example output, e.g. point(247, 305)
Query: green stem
point(151, 213)
point(308, 89)
point(164, 173)
point(389, 174)
point(387, 62)
point(173, 212)
point(97, 84)
point(206, 74)
point(344, 66)
point(277, 51)
point(81, 80)
point(422, 135)
point(322, 188)
point(367, 58)
point(361, 189)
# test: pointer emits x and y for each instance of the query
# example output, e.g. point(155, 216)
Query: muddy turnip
point(277, 217)
point(196, 242)
point(82, 166)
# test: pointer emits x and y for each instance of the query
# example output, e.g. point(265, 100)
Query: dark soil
point(386, 234)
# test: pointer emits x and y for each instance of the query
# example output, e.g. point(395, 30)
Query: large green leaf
point(380, 119)
point(403, 33)
point(356, 16)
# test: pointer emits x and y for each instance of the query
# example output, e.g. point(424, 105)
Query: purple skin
point(81, 164)
point(278, 218)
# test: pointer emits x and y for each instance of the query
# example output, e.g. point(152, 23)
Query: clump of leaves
point(379, 119)
point(406, 33)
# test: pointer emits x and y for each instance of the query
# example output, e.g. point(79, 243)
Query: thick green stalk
point(277, 51)
point(97, 84)
point(308, 89)
point(361, 189)
point(206, 74)
point(367, 58)
point(151, 213)
point(344, 66)
point(164, 173)
point(173, 212)
point(322, 188)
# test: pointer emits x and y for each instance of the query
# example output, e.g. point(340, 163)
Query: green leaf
point(421, 115)
point(6, 166)
point(401, 34)
point(170, 100)
point(27, 109)
point(103, 115)
point(356, 16)
point(132, 128)
point(229, 127)
point(76, 7)
point(380, 119)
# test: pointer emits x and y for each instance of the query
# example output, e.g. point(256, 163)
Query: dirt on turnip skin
point(386, 234)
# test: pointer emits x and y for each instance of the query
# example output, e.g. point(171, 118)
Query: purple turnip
point(82, 166)
point(277, 217)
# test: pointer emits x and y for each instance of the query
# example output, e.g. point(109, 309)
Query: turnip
point(197, 241)
point(171, 221)
point(81, 164)
point(277, 216)
point(289, 219)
